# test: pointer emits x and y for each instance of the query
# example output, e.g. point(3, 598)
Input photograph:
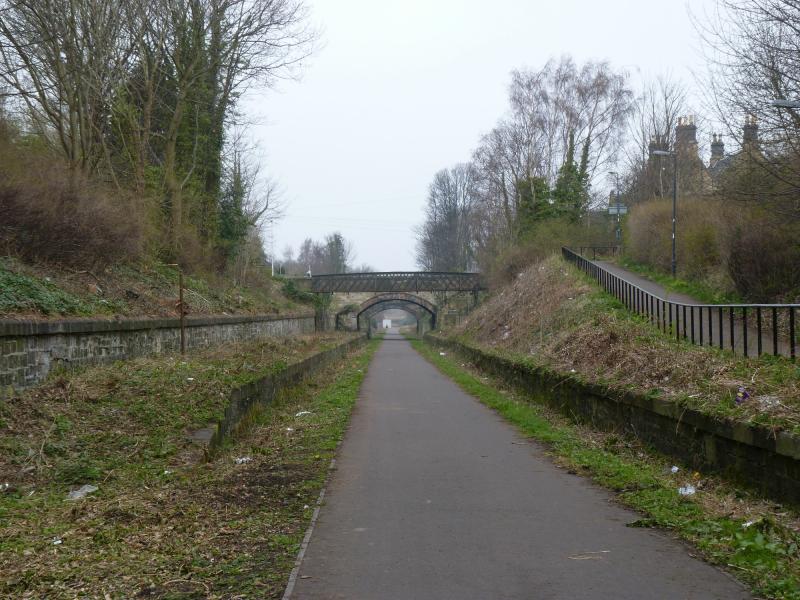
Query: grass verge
point(756, 540)
point(165, 523)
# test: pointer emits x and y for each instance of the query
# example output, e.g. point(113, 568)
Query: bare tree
point(753, 49)
point(589, 104)
point(652, 125)
point(65, 60)
point(444, 241)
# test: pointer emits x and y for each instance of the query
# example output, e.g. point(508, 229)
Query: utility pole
point(674, 155)
point(272, 246)
point(617, 209)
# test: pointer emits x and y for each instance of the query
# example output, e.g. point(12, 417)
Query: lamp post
point(674, 156)
point(618, 232)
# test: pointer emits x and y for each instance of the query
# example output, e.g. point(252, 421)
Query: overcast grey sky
point(402, 88)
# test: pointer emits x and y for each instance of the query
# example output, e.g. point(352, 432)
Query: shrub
point(733, 246)
point(50, 214)
point(546, 238)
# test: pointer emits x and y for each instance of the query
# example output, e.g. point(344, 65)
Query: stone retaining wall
point(29, 350)
point(752, 455)
point(264, 391)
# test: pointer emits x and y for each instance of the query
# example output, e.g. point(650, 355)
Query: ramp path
point(435, 496)
point(716, 326)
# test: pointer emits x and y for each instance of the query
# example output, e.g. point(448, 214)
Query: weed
point(165, 523)
point(23, 294)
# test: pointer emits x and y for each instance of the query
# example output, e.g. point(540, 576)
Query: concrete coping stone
point(780, 442)
point(26, 327)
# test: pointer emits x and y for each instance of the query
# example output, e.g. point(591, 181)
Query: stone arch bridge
point(355, 298)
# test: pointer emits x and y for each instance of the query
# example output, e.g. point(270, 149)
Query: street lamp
point(674, 156)
point(618, 208)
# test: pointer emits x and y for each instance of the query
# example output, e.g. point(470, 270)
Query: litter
point(768, 401)
point(190, 379)
point(589, 555)
point(167, 472)
point(4, 486)
point(688, 490)
point(306, 507)
point(442, 353)
point(82, 492)
point(289, 429)
point(674, 469)
point(243, 460)
point(302, 413)
point(57, 541)
point(742, 395)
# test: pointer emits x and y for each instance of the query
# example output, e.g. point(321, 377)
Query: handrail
point(702, 324)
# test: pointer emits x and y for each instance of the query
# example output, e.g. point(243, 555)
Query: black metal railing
point(612, 250)
point(750, 329)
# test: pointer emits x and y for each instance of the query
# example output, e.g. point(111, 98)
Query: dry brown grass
point(49, 214)
point(553, 316)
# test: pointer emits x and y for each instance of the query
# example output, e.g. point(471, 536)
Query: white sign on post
point(617, 209)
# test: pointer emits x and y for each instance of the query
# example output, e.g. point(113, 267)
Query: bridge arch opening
point(410, 303)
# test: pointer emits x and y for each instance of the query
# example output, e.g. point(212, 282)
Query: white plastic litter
point(442, 353)
point(674, 469)
point(289, 429)
point(167, 472)
point(688, 490)
point(82, 492)
point(768, 402)
point(190, 379)
point(4, 486)
point(242, 460)
point(57, 541)
point(302, 413)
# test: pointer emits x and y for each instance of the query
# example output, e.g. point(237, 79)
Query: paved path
point(436, 497)
point(647, 285)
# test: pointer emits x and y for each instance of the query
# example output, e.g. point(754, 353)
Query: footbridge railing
point(396, 281)
point(749, 329)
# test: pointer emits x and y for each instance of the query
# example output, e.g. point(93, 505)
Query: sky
point(398, 90)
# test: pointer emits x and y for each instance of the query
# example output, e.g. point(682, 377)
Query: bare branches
point(753, 49)
point(444, 240)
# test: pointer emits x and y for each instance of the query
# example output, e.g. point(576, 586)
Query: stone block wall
point(30, 350)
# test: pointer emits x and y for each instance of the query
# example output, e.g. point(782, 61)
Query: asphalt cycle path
point(435, 496)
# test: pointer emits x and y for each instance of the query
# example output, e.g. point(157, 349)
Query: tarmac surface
point(435, 496)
